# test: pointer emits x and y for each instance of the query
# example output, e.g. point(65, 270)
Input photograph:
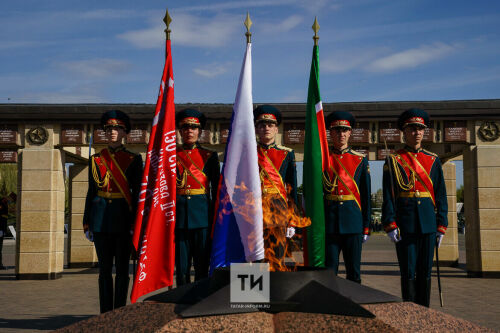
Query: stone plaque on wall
point(224, 133)
point(137, 134)
point(429, 133)
point(360, 133)
point(455, 131)
point(8, 134)
point(71, 134)
point(205, 136)
point(389, 130)
point(382, 152)
point(294, 133)
point(8, 156)
point(99, 136)
point(362, 149)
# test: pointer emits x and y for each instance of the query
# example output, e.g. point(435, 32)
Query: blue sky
point(56, 51)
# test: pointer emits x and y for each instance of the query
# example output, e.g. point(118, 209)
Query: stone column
point(40, 225)
point(81, 252)
point(482, 209)
point(448, 252)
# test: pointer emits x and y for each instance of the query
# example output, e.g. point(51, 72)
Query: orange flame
point(278, 215)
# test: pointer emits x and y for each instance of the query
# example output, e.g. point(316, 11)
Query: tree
point(8, 179)
point(460, 194)
point(377, 199)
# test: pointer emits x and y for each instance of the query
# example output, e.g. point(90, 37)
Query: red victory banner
point(155, 221)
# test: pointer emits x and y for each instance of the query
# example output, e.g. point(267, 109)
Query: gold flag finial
point(315, 28)
point(248, 24)
point(167, 19)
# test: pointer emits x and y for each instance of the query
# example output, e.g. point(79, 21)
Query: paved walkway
point(31, 306)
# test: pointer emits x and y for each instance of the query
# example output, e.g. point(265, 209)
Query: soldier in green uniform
point(198, 172)
point(415, 208)
point(278, 176)
point(114, 182)
point(347, 193)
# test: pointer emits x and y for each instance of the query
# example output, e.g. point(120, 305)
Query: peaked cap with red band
point(340, 119)
point(115, 118)
point(267, 113)
point(413, 117)
point(190, 117)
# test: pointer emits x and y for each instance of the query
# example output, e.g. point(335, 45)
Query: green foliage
point(377, 198)
point(8, 179)
point(460, 194)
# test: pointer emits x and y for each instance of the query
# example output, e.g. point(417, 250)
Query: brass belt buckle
point(417, 194)
point(107, 194)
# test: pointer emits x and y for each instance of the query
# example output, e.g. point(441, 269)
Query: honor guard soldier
point(114, 183)
point(278, 176)
point(198, 172)
point(415, 207)
point(347, 194)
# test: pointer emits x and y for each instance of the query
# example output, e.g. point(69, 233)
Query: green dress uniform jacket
point(283, 159)
point(343, 214)
point(416, 214)
point(106, 210)
point(196, 195)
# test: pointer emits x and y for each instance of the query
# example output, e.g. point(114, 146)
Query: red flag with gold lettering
point(155, 221)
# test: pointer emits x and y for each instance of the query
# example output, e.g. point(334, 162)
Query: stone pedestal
point(81, 252)
point(448, 252)
point(482, 209)
point(40, 224)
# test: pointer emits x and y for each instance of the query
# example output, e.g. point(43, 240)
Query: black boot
point(408, 290)
point(423, 292)
point(121, 291)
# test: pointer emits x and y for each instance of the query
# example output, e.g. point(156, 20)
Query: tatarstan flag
point(315, 162)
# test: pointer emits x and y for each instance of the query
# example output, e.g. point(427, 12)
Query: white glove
point(290, 232)
point(89, 235)
point(439, 239)
point(394, 236)
point(366, 238)
point(1, 233)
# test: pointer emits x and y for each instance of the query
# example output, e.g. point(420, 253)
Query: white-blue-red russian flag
point(238, 233)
